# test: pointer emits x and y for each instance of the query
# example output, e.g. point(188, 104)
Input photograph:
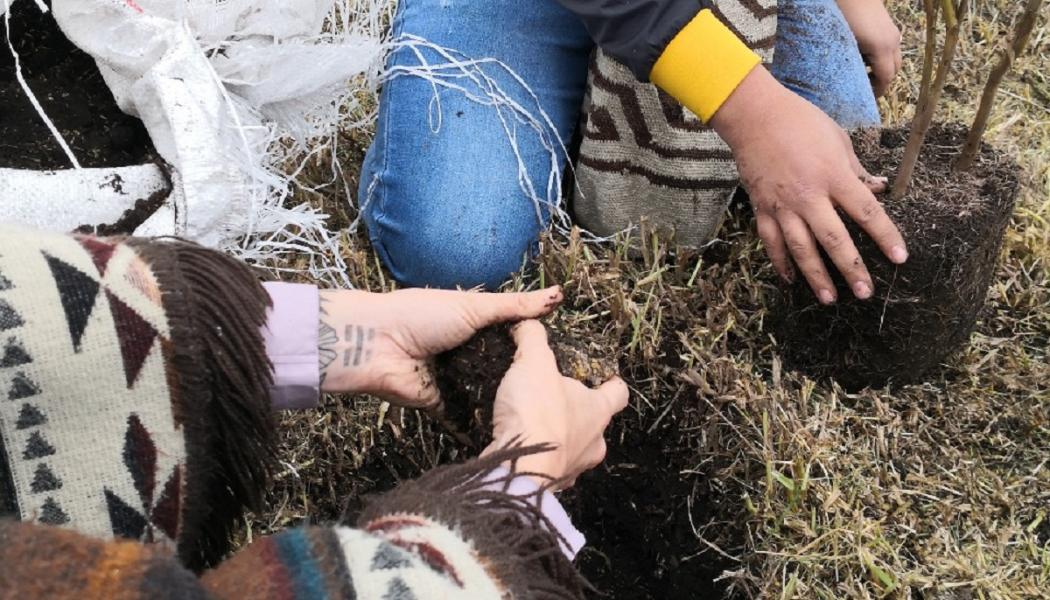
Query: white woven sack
point(219, 84)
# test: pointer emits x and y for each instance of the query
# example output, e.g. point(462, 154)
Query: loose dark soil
point(638, 510)
point(70, 87)
point(922, 311)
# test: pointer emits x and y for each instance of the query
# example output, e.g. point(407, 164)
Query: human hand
point(798, 166)
point(879, 40)
point(380, 343)
point(535, 404)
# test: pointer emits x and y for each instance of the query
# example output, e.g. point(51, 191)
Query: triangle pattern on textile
point(37, 447)
point(100, 252)
point(387, 556)
point(165, 514)
point(127, 522)
point(15, 354)
point(22, 387)
point(52, 514)
point(398, 590)
point(78, 293)
point(45, 480)
point(135, 334)
point(30, 416)
point(5, 283)
point(9, 319)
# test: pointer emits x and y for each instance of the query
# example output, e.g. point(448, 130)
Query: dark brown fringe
point(517, 543)
point(221, 377)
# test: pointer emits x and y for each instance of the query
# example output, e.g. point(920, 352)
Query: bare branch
point(924, 117)
point(930, 8)
point(1022, 33)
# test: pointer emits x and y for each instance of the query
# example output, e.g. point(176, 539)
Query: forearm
point(744, 114)
point(317, 345)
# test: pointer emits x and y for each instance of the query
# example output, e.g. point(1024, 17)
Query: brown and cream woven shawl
point(645, 156)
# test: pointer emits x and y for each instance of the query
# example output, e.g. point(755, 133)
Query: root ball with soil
point(953, 224)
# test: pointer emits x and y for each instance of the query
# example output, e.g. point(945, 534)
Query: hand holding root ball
point(536, 404)
point(384, 344)
point(799, 167)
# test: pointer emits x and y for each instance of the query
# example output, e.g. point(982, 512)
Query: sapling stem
point(924, 115)
point(930, 8)
point(1022, 33)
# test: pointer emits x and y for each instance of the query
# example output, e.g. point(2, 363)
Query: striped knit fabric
point(646, 157)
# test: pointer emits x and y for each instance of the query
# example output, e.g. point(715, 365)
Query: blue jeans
point(459, 183)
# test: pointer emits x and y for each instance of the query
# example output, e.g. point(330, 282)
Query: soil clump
point(636, 508)
point(953, 224)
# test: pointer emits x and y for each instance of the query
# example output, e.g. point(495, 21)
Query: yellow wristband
point(703, 64)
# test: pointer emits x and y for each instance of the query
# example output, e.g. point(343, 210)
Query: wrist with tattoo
point(344, 348)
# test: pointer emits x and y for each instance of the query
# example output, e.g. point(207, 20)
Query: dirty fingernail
point(862, 290)
point(899, 255)
point(826, 297)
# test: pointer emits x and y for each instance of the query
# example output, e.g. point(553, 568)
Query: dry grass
point(935, 491)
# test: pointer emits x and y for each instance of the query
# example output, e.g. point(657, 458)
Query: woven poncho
point(133, 389)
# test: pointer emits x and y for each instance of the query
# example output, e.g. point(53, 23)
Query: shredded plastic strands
point(231, 93)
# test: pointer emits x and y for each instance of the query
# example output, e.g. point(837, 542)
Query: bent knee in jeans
point(817, 57)
point(457, 186)
point(445, 241)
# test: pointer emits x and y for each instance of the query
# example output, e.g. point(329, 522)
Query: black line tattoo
point(327, 338)
point(361, 349)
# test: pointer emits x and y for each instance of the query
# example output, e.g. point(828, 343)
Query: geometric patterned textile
point(646, 157)
point(90, 437)
point(449, 534)
point(424, 560)
point(134, 384)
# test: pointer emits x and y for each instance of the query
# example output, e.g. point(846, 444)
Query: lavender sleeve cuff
point(572, 541)
point(291, 343)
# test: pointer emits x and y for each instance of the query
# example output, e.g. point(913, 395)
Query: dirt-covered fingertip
point(552, 296)
point(538, 303)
